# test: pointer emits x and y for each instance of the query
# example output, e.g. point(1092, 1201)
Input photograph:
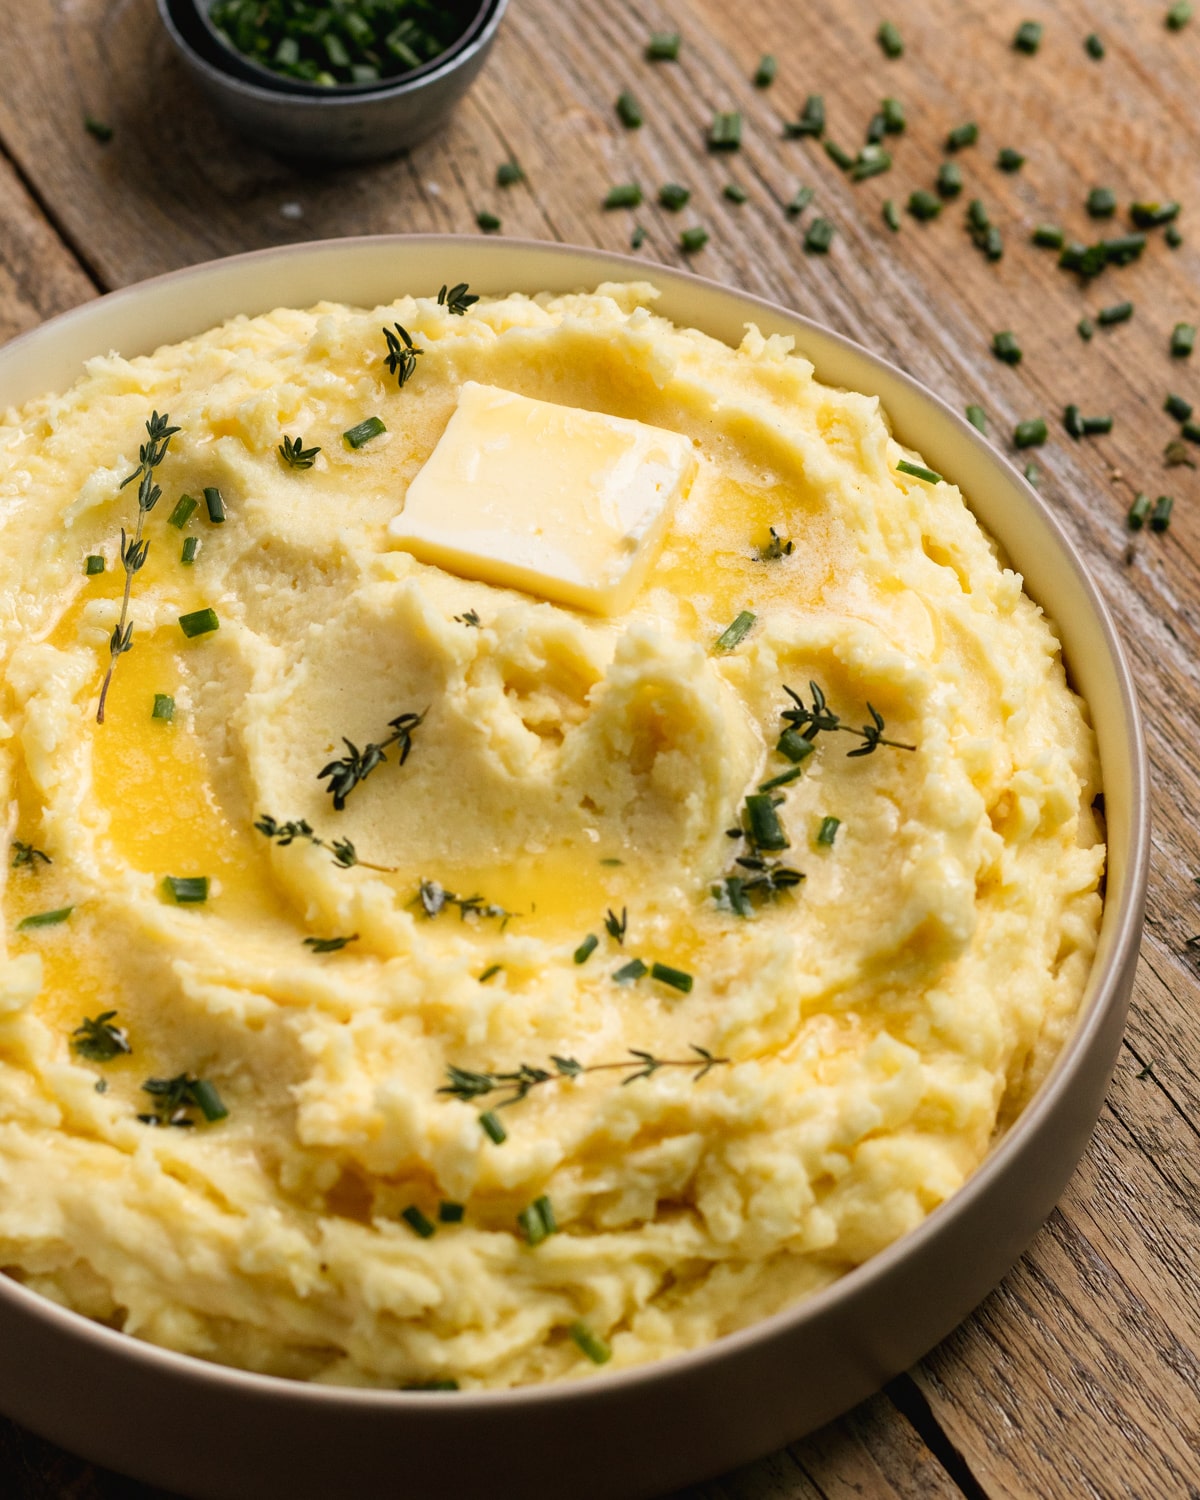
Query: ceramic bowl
point(223, 1434)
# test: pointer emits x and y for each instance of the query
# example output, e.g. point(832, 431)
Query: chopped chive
point(1049, 236)
point(418, 1223)
point(1006, 348)
point(1122, 250)
point(889, 38)
point(784, 777)
point(1094, 46)
point(977, 215)
point(208, 1101)
point(993, 244)
point(1139, 512)
point(444, 1383)
point(199, 622)
point(828, 831)
point(624, 195)
point(1032, 474)
point(893, 116)
point(1009, 160)
point(1160, 517)
point(819, 236)
point(638, 238)
point(1028, 37)
point(663, 46)
point(924, 205)
point(451, 1213)
point(801, 198)
point(507, 173)
point(361, 434)
point(1183, 339)
point(763, 827)
point(1101, 203)
point(1085, 328)
point(92, 565)
point(489, 1121)
point(1119, 312)
point(794, 746)
point(962, 135)
point(633, 970)
point(186, 890)
point(676, 978)
point(891, 215)
point(673, 195)
point(191, 545)
point(1153, 215)
point(949, 179)
point(1030, 434)
point(735, 192)
point(1176, 18)
point(586, 948)
point(977, 417)
point(629, 111)
point(185, 508)
point(1097, 426)
point(1173, 237)
point(488, 221)
point(693, 239)
point(811, 120)
point(215, 504)
point(735, 632)
point(1180, 409)
point(45, 918)
point(1073, 421)
point(725, 132)
point(590, 1344)
point(490, 973)
point(930, 476)
point(839, 155)
point(764, 75)
point(876, 129)
point(164, 707)
point(98, 129)
point(870, 162)
point(1191, 431)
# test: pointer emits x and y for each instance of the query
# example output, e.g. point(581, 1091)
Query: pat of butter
point(571, 505)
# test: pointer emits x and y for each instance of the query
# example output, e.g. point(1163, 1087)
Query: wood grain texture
point(1080, 1376)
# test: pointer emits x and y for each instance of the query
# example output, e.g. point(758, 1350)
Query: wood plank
point(39, 277)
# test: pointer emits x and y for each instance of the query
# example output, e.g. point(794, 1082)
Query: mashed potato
point(837, 991)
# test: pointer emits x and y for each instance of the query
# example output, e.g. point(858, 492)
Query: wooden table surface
point(1080, 1375)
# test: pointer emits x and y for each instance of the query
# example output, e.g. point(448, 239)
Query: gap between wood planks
point(69, 244)
point(909, 1400)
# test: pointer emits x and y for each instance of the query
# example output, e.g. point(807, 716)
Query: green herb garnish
point(45, 918)
point(918, 471)
point(175, 1098)
point(633, 970)
point(468, 1086)
point(977, 418)
point(763, 828)
point(26, 856)
point(1093, 46)
point(693, 239)
point(1180, 409)
point(342, 851)
point(434, 898)
point(811, 120)
point(615, 926)
point(1028, 37)
point(93, 565)
point(1048, 236)
point(778, 547)
point(1030, 434)
point(1179, 15)
point(215, 505)
point(356, 765)
point(356, 437)
point(487, 221)
point(490, 1124)
point(924, 205)
point(1006, 348)
point(1160, 517)
point(624, 195)
point(1101, 203)
point(199, 622)
point(451, 1213)
point(820, 718)
point(295, 455)
point(638, 238)
point(1009, 160)
point(962, 135)
point(764, 74)
point(889, 38)
point(400, 360)
point(1153, 215)
point(508, 173)
point(98, 1039)
point(186, 890)
point(1139, 512)
point(590, 1344)
point(1183, 340)
point(891, 215)
point(191, 545)
point(799, 201)
point(629, 111)
point(417, 1222)
point(734, 192)
point(185, 509)
point(819, 236)
point(839, 154)
point(673, 195)
point(663, 46)
point(164, 707)
point(331, 944)
point(586, 948)
point(725, 132)
point(828, 831)
point(677, 979)
point(97, 129)
point(1085, 328)
point(471, 618)
point(537, 1221)
point(736, 632)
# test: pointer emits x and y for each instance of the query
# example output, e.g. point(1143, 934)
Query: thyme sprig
point(615, 926)
point(133, 553)
point(435, 898)
point(456, 299)
point(342, 851)
point(819, 718)
point(345, 774)
point(778, 547)
point(466, 1085)
point(175, 1098)
point(98, 1039)
point(26, 856)
point(296, 455)
point(402, 353)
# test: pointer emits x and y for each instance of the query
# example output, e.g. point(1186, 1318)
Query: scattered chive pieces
point(445, 1383)
point(663, 46)
point(949, 179)
point(208, 1101)
point(1085, 328)
point(924, 205)
point(186, 890)
point(586, 948)
point(801, 198)
point(199, 622)
point(735, 192)
point(917, 471)
point(783, 778)
point(629, 111)
point(673, 195)
point(891, 215)
point(1101, 203)
point(507, 173)
point(1119, 312)
point(977, 417)
point(490, 972)
point(1093, 426)
point(590, 1344)
point(1028, 37)
point(1173, 237)
point(638, 238)
point(451, 1213)
point(185, 508)
point(819, 236)
point(1073, 421)
point(1049, 236)
point(977, 215)
point(98, 129)
point(794, 746)
point(634, 969)
point(215, 503)
point(993, 243)
point(1006, 348)
point(1123, 250)
point(676, 978)
point(1033, 474)
point(164, 707)
point(624, 195)
point(1160, 517)
point(763, 825)
point(45, 918)
point(876, 129)
point(828, 831)
point(418, 1223)
point(736, 632)
point(893, 116)
point(488, 221)
point(811, 120)
point(190, 545)
point(1180, 409)
point(1139, 512)
point(870, 162)
point(1094, 46)
point(1183, 339)
point(1191, 431)
point(93, 564)
point(889, 38)
point(1031, 434)
point(1009, 160)
point(1153, 215)
point(363, 432)
point(764, 75)
point(838, 154)
point(1176, 18)
point(492, 1128)
point(725, 132)
point(693, 239)
point(962, 135)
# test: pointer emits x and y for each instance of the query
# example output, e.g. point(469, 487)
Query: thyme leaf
point(435, 898)
point(296, 455)
point(345, 774)
point(25, 855)
point(402, 353)
point(98, 1039)
point(818, 718)
point(173, 1100)
point(456, 299)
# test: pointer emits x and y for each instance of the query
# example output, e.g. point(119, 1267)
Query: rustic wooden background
point(1080, 1375)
